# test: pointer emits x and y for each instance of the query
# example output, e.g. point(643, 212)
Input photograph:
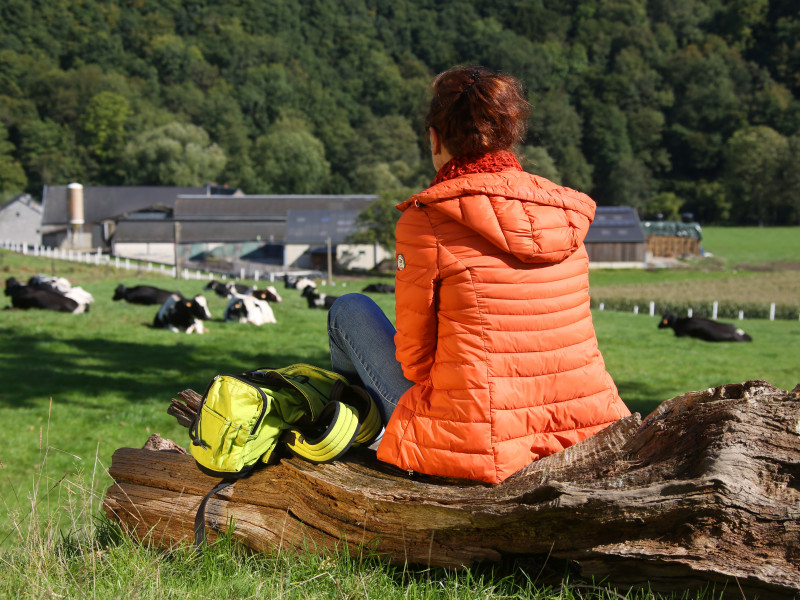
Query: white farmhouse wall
point(21, 221)
point(159, 252)
point(296, 256)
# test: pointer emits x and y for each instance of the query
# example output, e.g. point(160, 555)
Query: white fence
point(689, 311)
point(98, 258)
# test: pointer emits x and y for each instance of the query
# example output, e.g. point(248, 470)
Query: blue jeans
point(362, 346)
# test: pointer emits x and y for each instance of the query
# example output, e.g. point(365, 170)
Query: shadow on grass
point(639, 396)
point(92, 370)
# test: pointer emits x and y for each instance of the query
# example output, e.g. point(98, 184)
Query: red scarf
point(491, 162)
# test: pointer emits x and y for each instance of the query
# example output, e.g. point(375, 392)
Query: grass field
point(77, 387)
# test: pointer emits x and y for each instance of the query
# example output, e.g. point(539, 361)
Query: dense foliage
point(666, 105)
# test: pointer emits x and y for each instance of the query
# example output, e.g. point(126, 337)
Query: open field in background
point(77, 387)
point(744, 269)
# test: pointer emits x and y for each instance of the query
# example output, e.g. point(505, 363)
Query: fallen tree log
point(705, 490)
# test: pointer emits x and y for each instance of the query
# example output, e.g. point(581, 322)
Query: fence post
point(652, 309)
point(772, 311)
point(741, 315)
point(636, 309)
point(689, 313)
point(714, 310)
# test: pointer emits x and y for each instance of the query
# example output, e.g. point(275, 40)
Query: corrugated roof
point(256, 206)
point(194, 232)
point(316, 226)
point(615, 224)
point(101, 203)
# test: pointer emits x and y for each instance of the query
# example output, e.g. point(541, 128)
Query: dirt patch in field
point(770, 267)
point(780, 286)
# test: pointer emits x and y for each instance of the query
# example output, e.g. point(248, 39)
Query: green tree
point(48, 153)
point(377, 222)
point(666, 204)
point(754, 158)
point(173, 154)
point(12, 176)
point(290, 160)
point(104, 130)
point(535, 159)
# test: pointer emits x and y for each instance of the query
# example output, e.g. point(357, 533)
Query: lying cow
point(268, 294)
point(248, 309)
point(179, 314)
point(704, 329)
point(316, 300)
point(26, 296)
point(62, 286)
point(379, 288)
point(226, 290)
point(297, 283)
point(142, 294)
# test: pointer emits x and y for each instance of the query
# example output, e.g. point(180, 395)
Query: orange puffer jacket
point(494, 328)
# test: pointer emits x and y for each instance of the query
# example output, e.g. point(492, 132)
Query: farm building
point(673, 238)
point(86, 218)
point(616, 238)
point(311, 234)
point(21, 221)
point(228, 234)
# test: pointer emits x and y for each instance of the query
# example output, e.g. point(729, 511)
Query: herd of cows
point(246, 304)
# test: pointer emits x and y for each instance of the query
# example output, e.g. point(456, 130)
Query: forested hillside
point(666, 105)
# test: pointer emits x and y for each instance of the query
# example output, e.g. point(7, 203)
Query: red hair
point(475, 110)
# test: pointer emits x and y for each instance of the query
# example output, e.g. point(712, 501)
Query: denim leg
point(362, 347)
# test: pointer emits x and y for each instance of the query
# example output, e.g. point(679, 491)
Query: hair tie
point(473, 78)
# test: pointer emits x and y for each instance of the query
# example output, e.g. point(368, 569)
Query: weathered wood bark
point(706, 489)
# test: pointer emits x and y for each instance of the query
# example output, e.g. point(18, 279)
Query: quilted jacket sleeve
point(415, 293)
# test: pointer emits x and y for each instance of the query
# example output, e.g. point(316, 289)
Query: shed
point(21, 221)
point(616, 238)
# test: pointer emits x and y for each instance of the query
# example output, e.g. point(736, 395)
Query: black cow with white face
point(703, 329)
point(268, 294)
point(179, 314)
point(142, 294)
point(316, 300)
point(26, 296)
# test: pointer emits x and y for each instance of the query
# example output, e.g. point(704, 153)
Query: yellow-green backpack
point(243, 419)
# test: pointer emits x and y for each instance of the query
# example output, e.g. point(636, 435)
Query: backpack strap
point(200, 517)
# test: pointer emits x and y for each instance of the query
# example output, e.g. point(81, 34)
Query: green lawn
point(77, 387)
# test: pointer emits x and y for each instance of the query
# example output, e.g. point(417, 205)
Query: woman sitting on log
point(495, 361)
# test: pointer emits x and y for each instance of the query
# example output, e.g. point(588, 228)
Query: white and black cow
point(179, 314)
point(269, 294)
point(703, 329)
point(298, 283)
point(25, 297)
point(62, 286)
point(248, 309)
point(142, 294)
point(226, 290)
point(316, 300)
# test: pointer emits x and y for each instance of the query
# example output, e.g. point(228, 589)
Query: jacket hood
point(522, 214)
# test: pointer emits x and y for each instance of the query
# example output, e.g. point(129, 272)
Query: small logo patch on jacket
point(401, 262)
